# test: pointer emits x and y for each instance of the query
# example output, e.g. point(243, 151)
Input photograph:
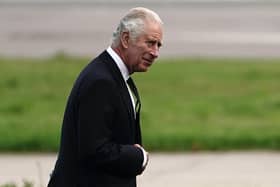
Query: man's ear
point(125, 39)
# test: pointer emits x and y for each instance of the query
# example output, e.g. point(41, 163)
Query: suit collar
point(113, 67)
point(121, 65)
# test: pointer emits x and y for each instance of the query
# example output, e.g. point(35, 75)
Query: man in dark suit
point(101, 139)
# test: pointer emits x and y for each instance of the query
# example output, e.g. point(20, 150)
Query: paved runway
point(203, 28)
point(228, 169)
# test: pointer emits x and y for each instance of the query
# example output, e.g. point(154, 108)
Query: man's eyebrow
point(155, 41)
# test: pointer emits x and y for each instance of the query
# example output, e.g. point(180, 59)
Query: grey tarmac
point(185, 169)
point(219, 28)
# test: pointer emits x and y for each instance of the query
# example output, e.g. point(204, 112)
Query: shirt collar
point(119, 62)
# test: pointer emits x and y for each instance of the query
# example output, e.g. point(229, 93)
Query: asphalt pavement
point(206, 169)
point(218, 28)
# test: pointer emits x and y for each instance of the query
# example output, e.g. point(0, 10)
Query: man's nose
point(155, 52)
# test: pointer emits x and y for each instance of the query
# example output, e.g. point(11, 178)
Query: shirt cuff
point(145, 160)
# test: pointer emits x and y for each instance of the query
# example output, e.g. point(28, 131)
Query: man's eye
point(151, 43)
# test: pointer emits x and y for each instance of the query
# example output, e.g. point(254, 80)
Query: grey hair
point(134, 22)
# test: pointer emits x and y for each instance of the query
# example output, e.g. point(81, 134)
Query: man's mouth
point(148, 61)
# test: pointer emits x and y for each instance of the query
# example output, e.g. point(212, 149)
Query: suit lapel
point(121, 83)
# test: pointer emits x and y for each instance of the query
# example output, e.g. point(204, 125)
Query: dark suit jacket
point(98, 131)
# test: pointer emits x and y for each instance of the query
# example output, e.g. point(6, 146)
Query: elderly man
point(101, 138)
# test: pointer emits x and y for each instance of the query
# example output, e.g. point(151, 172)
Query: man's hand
point(146, 156)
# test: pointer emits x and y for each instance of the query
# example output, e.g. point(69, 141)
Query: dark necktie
point(133, 88)
point(136, 95)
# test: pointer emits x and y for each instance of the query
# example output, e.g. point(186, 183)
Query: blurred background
point(248, 28)
point(211, 103)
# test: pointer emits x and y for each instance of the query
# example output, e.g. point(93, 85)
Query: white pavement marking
point(257, 38)
point(211, 169)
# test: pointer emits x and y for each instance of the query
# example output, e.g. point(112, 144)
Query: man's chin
point(143, 69)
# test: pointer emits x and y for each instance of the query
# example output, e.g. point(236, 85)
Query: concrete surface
point(217, 169)
point(203, 28)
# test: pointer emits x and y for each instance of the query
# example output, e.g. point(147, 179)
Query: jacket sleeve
point(97, 149)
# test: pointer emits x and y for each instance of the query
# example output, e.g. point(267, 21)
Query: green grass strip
point(188, 104)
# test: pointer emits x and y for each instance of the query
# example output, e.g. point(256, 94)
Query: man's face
point(142, 52)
